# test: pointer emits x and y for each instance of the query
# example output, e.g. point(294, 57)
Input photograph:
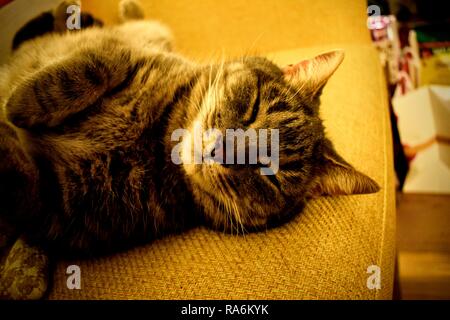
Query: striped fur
point(89, 122)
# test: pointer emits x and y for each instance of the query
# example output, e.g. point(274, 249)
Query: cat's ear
point(311, 75)
point(337, 177)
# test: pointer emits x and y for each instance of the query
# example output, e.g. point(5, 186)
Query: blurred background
point(413, 38)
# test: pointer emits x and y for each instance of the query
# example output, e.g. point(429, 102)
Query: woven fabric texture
point(323, 253)
point(205, 28)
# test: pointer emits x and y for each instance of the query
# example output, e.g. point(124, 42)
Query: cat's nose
point(215, 151)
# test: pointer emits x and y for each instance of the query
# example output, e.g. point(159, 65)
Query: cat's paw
point(130, 10)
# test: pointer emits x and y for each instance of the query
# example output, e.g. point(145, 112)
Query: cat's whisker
point(222, 200)
point(227, 200)
point(229, 207)
point(236, 211)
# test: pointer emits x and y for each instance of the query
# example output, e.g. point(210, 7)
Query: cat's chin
point(205, 172)
point(201, 178)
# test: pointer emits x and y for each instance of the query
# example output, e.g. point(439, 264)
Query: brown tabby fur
point(85, 139)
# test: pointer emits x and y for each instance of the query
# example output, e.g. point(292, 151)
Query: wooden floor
point(423, 246)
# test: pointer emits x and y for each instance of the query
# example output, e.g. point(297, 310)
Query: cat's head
point(295, 161)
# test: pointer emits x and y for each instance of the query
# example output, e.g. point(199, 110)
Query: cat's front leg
point(69, 86)
point(23, 266)
point(18, 177)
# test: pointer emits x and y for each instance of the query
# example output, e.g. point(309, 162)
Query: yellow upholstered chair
point(325, 252)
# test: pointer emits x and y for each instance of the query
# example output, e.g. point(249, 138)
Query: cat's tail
point(130, 10)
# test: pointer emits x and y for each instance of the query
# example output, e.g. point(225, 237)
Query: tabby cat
point(86, 130)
